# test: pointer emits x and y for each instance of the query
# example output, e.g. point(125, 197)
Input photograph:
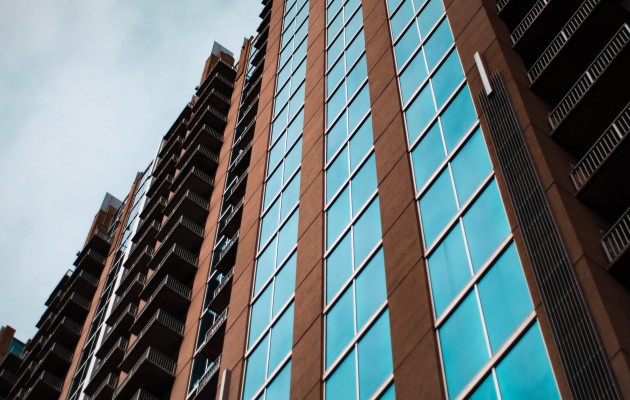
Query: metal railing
point(110, 381)
point(142, 394)
point(211, 372)
point(154, 357)
point(529, 19)
point(163, 318)
point(561, 39)
point(601, 150)
point(590, 76)
point(617, 239)
point(501, 4)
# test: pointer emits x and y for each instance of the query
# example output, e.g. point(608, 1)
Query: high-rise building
point(412, 199)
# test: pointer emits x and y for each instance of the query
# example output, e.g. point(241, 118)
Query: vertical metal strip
point(583, 357)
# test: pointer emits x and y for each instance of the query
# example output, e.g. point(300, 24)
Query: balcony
point(246, 136)
point(513, 11)
point(83, 283)
point(199, 157)
point(56, 361)
point(235, 192)
point(163, 332)
point(142, 394)
point(209, 116)
point(218, 82)
point(160, 188)
point(171, 295)
point(152, 210)
point(7, 380)
point(615, 244)
point(227, 256)
point(74, 307)
point(165, 167)
point(221, 294)
point(108, 364)
point(594, 99)
point(129, 296)
point(140, 266)
point(577, 44)
point(106, 390)
point(223, 69)
point(252, 88)
point(212, 344)
point(196, 180)
point(46, 387)
point(178, 263)
point(25, 373)
point(208, 384)
point(206, 137)
point(596, 175)
point(66, 333)
point(184, 232)
point(99, 241)
point(543, 21)
point(248, 115)
point(184, 203)
point(119, 328)
point(241, 162)
point(11, 362)
point(90, 261)
point(154, 371)
point(171, 148)
point(232, 220)
point(215, 99)
point(58, 292)
point(179, 126)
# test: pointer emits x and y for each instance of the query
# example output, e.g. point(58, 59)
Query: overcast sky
point(87, 89)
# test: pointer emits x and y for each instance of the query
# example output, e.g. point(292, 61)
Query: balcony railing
point(178, 262)
point(90, 261)
point(617, 239)
point(588, 79)
point(106, 389)
point(158, 368)
point(221, 294)
point(162, 331)
point(234, 193)
point(142, 394)
point(529, 19)
point(108, 364)
point(171, 295)
point(561, 39)
point(213, 342)
point(601, 150)
point(46, 385)
point(205, 136)
point(185, 201)
point(206, 378)
point(118, 328)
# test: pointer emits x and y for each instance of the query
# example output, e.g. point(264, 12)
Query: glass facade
point(358, 360)
point(98, 328)
point(477, 283)
point(270, 337)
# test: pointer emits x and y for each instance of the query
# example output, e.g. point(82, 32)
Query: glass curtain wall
point(268, 366)
point(490, 341)
point(98, 328)
point(358, 360)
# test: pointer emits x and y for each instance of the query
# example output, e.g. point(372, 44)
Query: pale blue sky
point(87, 89)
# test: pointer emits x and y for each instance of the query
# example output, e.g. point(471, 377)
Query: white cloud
point(88, 89)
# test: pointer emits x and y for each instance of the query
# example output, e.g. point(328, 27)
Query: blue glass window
point(463, 358)
point(255, 372)
point(370, 288)
point(363, 185)
point(458, 118)
point(414, 74)
point(449, 269)
point(337, 217)
point(485, 391)
point(505, 298)
point(405, 47)
point(367, 232)
point(342, 384)
point(420, 113)
point(281, 339)
point(360, 143)
point(427, 155)
point(437, 207)
point(447, 78)
point(279, 387)
point(470, 166)
point(525, 373)
point(486, 225)
point(402, 17)
point(284, 284)
point(375, 357)
point(338, 267)
point(430, 15)
point(339, 326)
point(439, 42)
